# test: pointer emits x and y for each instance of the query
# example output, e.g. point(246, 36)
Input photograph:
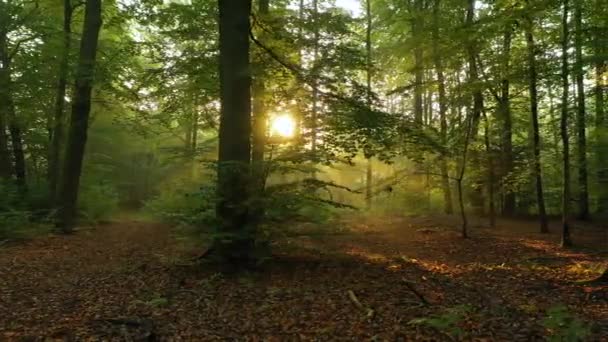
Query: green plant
point(98, 202)
point(563, 326)
point(447, 322)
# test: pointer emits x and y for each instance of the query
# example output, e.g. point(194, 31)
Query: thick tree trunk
point(583, 188)
point(236, 236)
point(81, 107)
point(57, 132)
point(507, 133)
point(566, 240)
point(532, 88)
point(445, 180)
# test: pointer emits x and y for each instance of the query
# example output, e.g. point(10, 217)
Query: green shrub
point(98, 202)
point(447, 322)
point(184, 206)
point(563, 326)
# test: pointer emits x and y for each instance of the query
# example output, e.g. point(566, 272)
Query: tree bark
point(315, 89)
point(369, 69)
point(507, 133)
point(259, 110)
point(57, 131)
point(8, 117)
point(81, 107)
point(235, 240)
point(566, 240)
point(583, 188)
point(476, 195)
point(417, 30)
point(532, 88)
point(6, 168)
point(601, 122)
point(445, 180)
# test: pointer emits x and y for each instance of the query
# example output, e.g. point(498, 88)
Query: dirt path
point(128, 281)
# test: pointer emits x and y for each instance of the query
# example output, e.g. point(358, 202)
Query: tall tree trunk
point(445, 180)
point(81, 107)
point(57, 132)
point(507, 132)
point(417, 30)
point(315, 89)
point(532, 87)
point(6, 168)
point(491, 173)
point(461, 173)
point(601, 122)
point(259, 111)
point(235, 241)
point(566, 240)
point(476, 195)
point(14, 128)
point(369, 65)
point(583, 189)
point(7, 116)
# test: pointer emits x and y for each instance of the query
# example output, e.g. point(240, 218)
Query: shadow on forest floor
point(128, 281)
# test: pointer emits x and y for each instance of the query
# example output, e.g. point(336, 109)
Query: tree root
point(410, 286)
point(369, 312)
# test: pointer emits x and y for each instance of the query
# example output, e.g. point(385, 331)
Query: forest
point(304, 170)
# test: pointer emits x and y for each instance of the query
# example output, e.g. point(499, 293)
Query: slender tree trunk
point(58, 123)
point(601, 122)
point(445, 180)
point(259, 111)
point(476, 194)
point(236, 236)
point(507, 133)
point(583, 187)
point(532, 86)
point(14, 128)
point(461, 173)
point(81, 107)
point(315, 89)
point(417, 30)
point(566, 240)
point(491, 173)
point(7, 116)
point(6, 168)
point(369, 66)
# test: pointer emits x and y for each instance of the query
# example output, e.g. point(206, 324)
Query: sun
point(282, 126)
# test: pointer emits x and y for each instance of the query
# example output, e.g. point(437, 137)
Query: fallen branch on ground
point(410, 286)
point(369, 312)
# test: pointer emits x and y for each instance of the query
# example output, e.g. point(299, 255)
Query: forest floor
point(390, 278)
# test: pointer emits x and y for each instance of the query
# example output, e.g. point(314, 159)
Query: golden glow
point(282, 126)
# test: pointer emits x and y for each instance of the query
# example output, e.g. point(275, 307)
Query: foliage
point(98, 202)
point(447, 322)
point(563, 326)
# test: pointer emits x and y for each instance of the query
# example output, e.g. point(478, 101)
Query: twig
point(410, 286)
point(369, 311)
